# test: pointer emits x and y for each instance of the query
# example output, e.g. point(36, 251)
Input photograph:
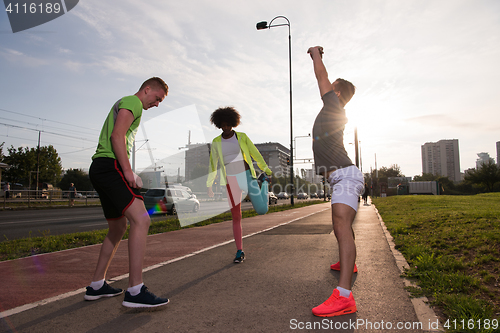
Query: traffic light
point(288, 161)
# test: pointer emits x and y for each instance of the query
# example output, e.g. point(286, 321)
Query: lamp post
point(295, 141)
point(263, 25)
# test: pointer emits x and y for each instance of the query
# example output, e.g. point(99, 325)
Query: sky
point(424, 71)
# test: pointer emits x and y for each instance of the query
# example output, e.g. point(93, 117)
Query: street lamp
point(295, 140)
point(263, 25)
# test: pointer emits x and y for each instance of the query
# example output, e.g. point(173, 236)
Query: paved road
point(15, 224)
point(286, 274)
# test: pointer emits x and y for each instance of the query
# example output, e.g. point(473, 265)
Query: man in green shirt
point(118, 188)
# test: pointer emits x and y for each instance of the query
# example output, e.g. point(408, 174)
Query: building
point(276, 156)
point(442, 159)
point(484, 158)
point(312, 177)
point(498, 153)
point(197, 157)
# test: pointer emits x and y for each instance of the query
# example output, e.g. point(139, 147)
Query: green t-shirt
point(105, 148)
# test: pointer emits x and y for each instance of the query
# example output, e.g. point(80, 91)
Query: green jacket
point(248, 150)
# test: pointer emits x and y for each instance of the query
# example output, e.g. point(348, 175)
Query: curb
point(424, 312)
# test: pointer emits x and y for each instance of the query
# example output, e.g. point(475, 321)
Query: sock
point(344, 292)
point(96, 285)
point(135, 290)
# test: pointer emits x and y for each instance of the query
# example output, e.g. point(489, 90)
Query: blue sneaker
point(105, 291)
point(240, 256)
point(144, 299)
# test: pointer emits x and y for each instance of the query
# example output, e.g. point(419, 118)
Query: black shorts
point(115, 194)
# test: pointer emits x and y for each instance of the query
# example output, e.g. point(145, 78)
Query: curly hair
point(227, 115)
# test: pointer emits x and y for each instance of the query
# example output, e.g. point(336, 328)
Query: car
point(273, 199)
point(321, 195)
point(271, 196)
point(302, 195)
point(314, 195)
point(283, 195)
point(163, 200)
point(180, 187)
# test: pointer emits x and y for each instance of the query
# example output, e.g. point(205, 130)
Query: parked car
point(321, 195)
point(302, 195)
point(314, 195)
point(271, 196)
point(169, 201)
point(273, 199)
point(283, 195)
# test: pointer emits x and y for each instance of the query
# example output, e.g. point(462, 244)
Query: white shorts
point(346, 185)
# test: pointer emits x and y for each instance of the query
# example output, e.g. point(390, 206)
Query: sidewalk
point(286, 274)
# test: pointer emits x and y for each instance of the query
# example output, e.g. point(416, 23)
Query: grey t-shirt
point(328, 136)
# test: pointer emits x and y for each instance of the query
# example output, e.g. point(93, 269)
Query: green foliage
point(383, 174)
point(78, 177)
point(23, 160)
point(486, 176)
point(451, 244)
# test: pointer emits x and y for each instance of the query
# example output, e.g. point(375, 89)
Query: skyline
point(424, 72)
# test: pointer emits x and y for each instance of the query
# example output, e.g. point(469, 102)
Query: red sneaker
point(336, 267)
point(335, 305)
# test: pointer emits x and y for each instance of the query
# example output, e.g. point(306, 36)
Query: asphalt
point(286, 274)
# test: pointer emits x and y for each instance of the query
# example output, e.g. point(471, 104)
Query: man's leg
point(342, 218)
point(109, 246)
point(139, 225)
point(341, 301)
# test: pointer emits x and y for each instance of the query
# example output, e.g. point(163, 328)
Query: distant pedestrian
point(365, 194)
point(346, 181)
point(72, 194)
point(6, 189)
point(118, 188)
point(232, 154)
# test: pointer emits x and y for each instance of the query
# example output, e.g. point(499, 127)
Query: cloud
point(21, 59)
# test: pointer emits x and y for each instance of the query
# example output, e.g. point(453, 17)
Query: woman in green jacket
point(232, 154)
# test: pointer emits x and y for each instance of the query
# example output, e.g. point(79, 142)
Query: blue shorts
point(346, 185)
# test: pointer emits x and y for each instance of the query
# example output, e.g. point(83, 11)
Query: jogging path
point(286, 274)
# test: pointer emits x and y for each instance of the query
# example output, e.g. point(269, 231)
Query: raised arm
point(324, 83)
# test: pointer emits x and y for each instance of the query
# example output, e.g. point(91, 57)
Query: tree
point(426, 177)
point(383, 173)
point(23, 162)
point(78, 177)
point(486, 176)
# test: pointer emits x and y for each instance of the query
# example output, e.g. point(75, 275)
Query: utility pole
point(38, 163)
point(356, 146)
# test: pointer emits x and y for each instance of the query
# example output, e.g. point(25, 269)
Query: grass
point(25, 247)
point(452, 244)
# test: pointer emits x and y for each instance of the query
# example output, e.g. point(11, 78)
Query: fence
point(48, 198)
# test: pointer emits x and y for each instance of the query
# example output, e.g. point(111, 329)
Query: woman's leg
point(234, 197)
